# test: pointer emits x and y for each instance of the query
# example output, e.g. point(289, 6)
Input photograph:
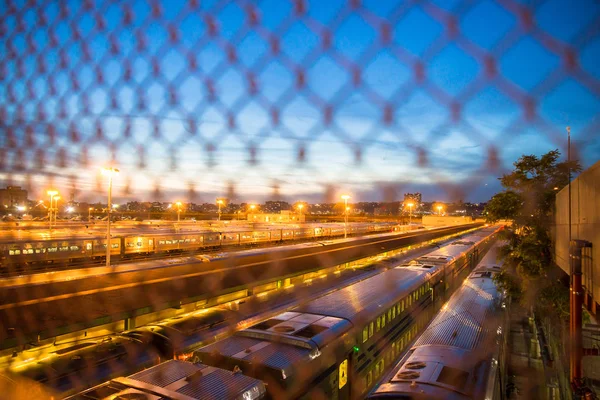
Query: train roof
point(281, 342)
point(454, 249)
point(450, 359)
point(178, 380)
point(367, 297)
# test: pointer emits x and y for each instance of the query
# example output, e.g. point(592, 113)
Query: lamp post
point(90, 214)
point(51, 193)
point(219, 203)
point(439, 210)
point(178, 204)
point(410, 206)
point(110, 172)
point(56, 199)
point(345, 197)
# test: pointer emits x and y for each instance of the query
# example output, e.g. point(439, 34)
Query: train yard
point(275, 299)
point(35, 251)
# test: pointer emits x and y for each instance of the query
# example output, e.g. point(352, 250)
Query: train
point(461, 354)
point(25, 252)
point(92, 361)
point(178, 380)
point(339, 345)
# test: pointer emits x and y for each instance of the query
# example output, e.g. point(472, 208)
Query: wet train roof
point(368, 296)
point(280, 342)
point(448, 360)
point(454, 249)
point(178, 380)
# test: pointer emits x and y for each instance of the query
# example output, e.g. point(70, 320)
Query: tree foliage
point(528, 202)
point(530, 189)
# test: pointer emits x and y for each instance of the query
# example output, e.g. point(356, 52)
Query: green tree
point(530, 189)
point(528, 202)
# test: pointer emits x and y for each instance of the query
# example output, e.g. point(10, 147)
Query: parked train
point(339, 345)
point(93, 361)
point(461, 355)
point(178, 380)
point(25, 252)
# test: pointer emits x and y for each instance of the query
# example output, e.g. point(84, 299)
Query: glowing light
point(109, 171)
point(21, 208)
point(70, 209)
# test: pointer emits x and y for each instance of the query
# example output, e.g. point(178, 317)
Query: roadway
point(49, 308)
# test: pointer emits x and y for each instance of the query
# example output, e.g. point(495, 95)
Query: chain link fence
point(292, 100)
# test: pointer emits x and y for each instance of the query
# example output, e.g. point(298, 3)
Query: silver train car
point(23, 252)
point(461, 354)
point(178, 380)
point(339, 345)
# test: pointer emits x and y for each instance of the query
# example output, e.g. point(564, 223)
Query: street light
point(252, 207)
point(346, 198)
point(439, 210)
point(56, 199)
point(219, 203)
point(410, 206)
point(178, 204)
point(110, 172)
point(300, 207)
point(90, 213)
point(51, 193)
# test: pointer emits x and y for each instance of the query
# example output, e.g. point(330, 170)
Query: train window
point(139, 244)
point(389, 315)
point(13, 252)
point(365, 335)
point(378, 326)
point(63, 248)
point(74, 248)
point(393, 312)
point(150, 242)
point(371, 329)
point(52, 249)
point(161, 242)
point(114, 245)
point(369, 378)
point(181, 240)
point(376, 370)
point(416, 294)
point(168, 242)
point(37, 251)
point(187, 240)
point(398, 310)
point(401, 343)
point(383, 321)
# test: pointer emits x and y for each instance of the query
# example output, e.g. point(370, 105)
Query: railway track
point(63, 265)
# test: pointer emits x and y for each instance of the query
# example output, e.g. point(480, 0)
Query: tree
point(533, 184)
point(528, 201)
point(503, 206)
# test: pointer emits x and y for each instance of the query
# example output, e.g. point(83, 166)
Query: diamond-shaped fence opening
point(289, 99)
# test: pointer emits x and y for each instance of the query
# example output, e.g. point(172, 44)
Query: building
point(585, 225)
point(13, 196)
point(283, 216)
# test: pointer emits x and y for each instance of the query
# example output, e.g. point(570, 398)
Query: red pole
point(575, 259)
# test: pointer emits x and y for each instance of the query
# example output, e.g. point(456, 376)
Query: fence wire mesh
point(290, 98)
point(275, 99)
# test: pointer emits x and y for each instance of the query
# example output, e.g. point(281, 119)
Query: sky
point(298, 100)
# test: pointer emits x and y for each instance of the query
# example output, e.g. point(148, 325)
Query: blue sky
point(224, 115)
